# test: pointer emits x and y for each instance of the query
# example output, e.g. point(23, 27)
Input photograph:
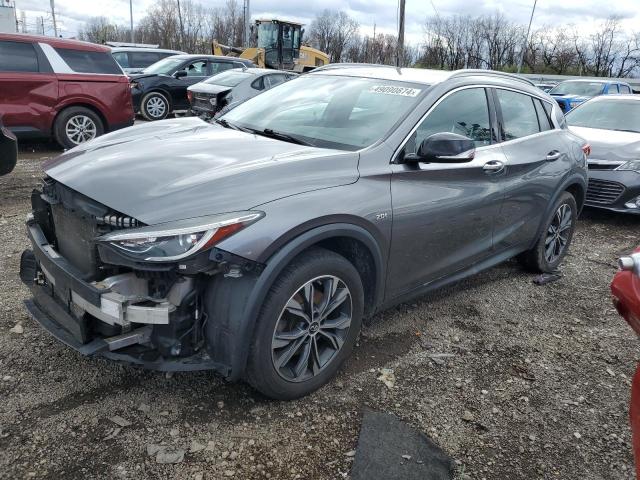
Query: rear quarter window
point(83, 61)
point(18, 57)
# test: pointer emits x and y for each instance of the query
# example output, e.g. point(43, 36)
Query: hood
point(209, 88)
point(610, 144)
point(183, 168)
point(142, 76)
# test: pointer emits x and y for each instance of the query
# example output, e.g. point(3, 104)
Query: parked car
point(571, 93)
point(161, 88)
point(8, 150)
point(135, 58)
point(611, 125)
point(545, 87)
point(256, 244)
point(625, 290)
point(227, 90)
point(69, 90)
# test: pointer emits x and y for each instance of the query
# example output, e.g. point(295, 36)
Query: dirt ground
point(536, 385)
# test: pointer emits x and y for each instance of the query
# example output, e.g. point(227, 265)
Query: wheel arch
point(351, 241)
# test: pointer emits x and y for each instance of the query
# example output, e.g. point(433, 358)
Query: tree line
point(450, 42)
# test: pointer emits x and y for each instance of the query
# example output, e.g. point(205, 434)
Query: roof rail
point(473, 71)
point(335, 66)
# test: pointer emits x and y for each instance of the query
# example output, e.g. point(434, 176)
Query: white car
point(133, 58)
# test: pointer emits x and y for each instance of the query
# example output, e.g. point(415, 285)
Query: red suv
point(69, 90)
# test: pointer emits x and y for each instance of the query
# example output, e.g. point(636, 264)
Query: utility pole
point(53, 16)
point(181, 26)
point(526, 39)
point(42, 25)
point(131, 20)
point(400, 50)
point(247, 23)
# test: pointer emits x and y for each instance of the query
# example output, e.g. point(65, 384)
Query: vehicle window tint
point(18, 57)
point(518, 114)
point(143, 59)
point(258, 83)
point(465, 112)
point(122, 58)
point(624, 89)
point(83, 61)
point(197, 69)
point(613, 89)
point(543, 116)
point(217, 67)
point(274, 80)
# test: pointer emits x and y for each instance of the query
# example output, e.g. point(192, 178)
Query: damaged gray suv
point(256, 245)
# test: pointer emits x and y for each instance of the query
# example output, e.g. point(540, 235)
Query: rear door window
point(143, 59)
point(217, 67)
point(275, 79)
point(85, 61)
point(18, 57)
point(519, 118)
point(624, 89)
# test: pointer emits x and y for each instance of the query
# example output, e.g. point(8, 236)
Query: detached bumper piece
point(92, 318)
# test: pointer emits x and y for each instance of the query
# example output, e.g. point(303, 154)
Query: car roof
point(414, 75)
point(264, 71)
point(54, 42)
point(616, 98)
point(213, 57)
point(146, 49)
point(593, 80)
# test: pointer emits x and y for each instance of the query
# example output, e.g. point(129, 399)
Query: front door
point(443, 213)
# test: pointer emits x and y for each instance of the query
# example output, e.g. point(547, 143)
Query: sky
point(381, 13)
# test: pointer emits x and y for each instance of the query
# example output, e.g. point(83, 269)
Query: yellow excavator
point(276, 44)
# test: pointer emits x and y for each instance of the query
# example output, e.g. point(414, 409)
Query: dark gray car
point(225, 91)
point(256, 246)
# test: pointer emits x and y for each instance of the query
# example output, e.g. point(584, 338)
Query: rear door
point(443, 214)
point(29, 88)
point(537, 159)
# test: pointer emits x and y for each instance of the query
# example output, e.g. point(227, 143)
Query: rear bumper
point(629, 186)
point(69, 308)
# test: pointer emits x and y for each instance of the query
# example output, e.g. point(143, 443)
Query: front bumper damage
point(110, 318)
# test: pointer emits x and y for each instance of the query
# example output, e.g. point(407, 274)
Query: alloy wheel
point(558, 234)
point(80, 129)
point(312, 328)
point(156, 107)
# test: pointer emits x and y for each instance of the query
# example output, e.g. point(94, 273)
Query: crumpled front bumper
point(61, 300)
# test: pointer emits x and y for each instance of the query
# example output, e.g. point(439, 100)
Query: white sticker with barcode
point(391, 90)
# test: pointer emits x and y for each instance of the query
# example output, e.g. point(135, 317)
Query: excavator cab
point(280, 41)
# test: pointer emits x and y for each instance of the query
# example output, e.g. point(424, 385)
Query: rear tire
point(555, 239)
point(293, 352)
point(154, 106)
point(77, 125)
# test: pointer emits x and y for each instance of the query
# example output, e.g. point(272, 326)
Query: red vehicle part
point(626, 298)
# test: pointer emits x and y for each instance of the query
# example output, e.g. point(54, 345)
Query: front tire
point(554, 241)
point(76, 125)
point(307, 326)
point(154, 106)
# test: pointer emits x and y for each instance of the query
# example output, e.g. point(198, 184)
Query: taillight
point(586, 148)
point(190, 96)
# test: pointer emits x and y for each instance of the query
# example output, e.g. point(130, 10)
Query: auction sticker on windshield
point(391, 90)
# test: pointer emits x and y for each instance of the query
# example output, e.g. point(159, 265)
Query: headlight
point(133, 84)
point(631, 165)
point(178, 240)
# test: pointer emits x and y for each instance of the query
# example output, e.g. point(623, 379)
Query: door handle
point(553, 155)
point(493, 167)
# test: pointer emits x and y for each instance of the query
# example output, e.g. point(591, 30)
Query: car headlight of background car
point(631, 165)
point(178, 240)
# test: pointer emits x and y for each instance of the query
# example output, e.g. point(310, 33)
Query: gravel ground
point(534, 384)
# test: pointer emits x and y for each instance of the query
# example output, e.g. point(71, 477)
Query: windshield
point(623, 115)
point(165, 66)
point(230, 78)
point(587, 89)
point(330, 111)
point(267, 35)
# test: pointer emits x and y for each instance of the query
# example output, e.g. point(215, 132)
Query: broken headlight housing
point(177, 240)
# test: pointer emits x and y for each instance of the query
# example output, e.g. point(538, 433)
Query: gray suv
point(255, 246)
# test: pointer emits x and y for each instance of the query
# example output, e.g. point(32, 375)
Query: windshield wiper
point(625, 130)
point(268, 132)
point(226, 124)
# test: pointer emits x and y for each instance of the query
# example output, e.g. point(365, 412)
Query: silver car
point(611, 125)
point(255, 245)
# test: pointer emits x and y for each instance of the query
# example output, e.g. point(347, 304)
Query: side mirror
point(180, 74)
point(444, 147)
